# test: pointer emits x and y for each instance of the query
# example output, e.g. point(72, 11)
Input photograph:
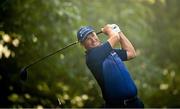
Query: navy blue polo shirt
point(106, 64)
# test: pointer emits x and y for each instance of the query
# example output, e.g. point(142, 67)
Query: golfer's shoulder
point(98, 54)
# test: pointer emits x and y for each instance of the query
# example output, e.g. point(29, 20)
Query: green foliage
point(30, 29)
point(7, 44)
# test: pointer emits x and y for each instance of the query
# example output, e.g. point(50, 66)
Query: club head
point(23, 74)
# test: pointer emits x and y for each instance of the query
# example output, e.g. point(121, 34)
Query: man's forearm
point(113, 37)
point(113, 41)
point(126, 45)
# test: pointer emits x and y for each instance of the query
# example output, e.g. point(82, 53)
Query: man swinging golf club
point(106, 64)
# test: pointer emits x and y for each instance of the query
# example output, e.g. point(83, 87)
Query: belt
point(122, 102)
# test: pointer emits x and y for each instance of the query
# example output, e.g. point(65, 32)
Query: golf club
point(23, 72)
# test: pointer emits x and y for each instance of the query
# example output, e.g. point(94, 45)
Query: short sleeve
point(122, 54)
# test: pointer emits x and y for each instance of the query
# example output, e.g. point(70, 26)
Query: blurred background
point(31, 29)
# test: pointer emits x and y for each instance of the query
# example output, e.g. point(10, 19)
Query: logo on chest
point(113, 54)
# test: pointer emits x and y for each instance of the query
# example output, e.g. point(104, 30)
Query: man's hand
point(110, 30)
point(113, 37)
point(115, 28)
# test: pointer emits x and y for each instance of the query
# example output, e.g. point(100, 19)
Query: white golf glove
point(116, 28)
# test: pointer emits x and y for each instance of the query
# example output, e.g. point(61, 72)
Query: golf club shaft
point(99, 32)
point(35, 62)
point(50, 54)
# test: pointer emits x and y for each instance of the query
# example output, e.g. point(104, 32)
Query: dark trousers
point(135, 103)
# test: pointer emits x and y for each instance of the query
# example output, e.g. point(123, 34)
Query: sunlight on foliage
point(43, 87)
point(13, 97)
point(7, 40)
point(163, 86)
point(27, 96)
point(39, 107)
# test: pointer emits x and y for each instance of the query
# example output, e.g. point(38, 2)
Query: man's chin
point(96, 44)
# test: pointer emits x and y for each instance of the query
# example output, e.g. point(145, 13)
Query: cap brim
point(85, 36)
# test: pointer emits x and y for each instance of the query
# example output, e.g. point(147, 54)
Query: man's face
point(91, 41)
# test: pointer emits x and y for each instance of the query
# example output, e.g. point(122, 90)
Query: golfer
point(106, 64)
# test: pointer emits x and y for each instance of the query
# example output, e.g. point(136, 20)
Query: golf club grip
point(99, 32)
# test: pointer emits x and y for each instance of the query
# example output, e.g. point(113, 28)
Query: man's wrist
point(116, 37)
point(111, 33)
point(120, 35)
